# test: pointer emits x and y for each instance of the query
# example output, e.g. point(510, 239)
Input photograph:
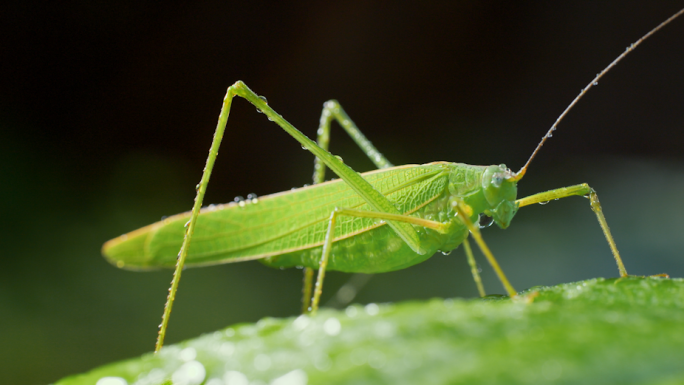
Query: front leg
point(587, 192)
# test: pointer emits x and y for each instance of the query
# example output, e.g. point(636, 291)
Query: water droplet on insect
point(595, 83)
point(304, 148)
point(252, 198)
point(339, 158)
point(239, 200)
point(197, 187)
point(187, 224)
point(446, 252)
point(549, 135)
point(486, 221)
point(265, 101)
point(543, 203)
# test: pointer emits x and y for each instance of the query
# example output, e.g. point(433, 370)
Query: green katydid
point(379, 221)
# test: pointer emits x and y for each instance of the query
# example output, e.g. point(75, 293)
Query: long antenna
point(594, 82)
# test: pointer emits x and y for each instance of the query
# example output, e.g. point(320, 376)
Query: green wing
point(275, 224)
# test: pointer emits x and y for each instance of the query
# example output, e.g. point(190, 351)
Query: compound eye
point(497, 180)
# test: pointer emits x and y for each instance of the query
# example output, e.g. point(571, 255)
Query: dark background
point(107, 112)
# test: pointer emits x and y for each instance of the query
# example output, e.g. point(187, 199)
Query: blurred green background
point(107, 112)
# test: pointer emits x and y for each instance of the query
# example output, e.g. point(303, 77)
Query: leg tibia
point(587, 192)
point(473, 267)
point(333, 110)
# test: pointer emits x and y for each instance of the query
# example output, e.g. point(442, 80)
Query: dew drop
point(543, 203)
point(295, 377)
point(190, 373)
point(332, 326)
point(485, 221)
point(188, 354)
point(187, 224)
point(233, 377)
point(111, 381)
point(446, 252)
point(372, 309)
point(351, 311)
point(262, 362)
point(263, 98)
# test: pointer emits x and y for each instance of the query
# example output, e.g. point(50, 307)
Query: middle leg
point(332, 110)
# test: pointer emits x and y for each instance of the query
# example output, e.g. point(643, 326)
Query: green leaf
point(600, 331)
